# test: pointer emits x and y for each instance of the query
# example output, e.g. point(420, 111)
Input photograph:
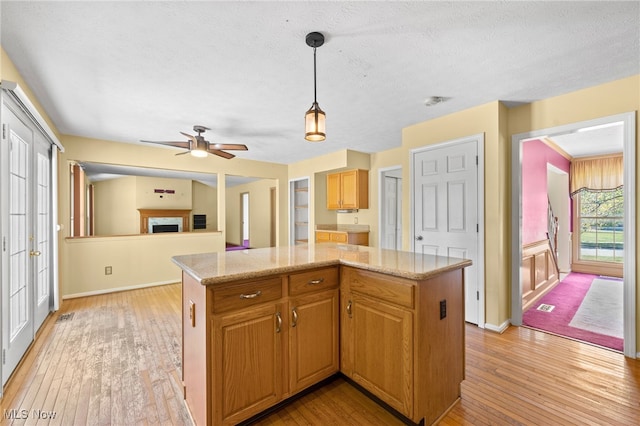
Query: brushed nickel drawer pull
point(295, 317)
point(251, 295)
point(315, 282)
point(278, 322)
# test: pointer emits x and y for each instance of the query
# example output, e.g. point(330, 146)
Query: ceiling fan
point(199, 147)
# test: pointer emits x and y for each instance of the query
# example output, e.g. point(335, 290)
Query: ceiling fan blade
point(193, 138)
point(179, 144)
point(221, 153)
point(231, 146)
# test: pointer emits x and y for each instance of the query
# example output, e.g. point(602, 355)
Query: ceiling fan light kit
point(315, 118)
point(197, 146)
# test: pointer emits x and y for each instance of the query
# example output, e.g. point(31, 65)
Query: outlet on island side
point(108, 270)
point(443, 309)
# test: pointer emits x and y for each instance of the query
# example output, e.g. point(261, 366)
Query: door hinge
point(477, 295)
point(476, 160)
point(4, 131)
point(4, 356)
point(477, 227)
point(4, 243)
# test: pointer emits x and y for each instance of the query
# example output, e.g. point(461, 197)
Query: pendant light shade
point(315, 118)
point(314, 123)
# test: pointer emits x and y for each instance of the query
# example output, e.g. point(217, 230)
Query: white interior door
point(244, 201)
point(41, 232)
point(391, 219)
point(446, 219)
point(17, 288)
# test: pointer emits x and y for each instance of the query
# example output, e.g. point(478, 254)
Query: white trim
point(55, 228)
point(479, 139)
point(117, 289)
point(381, 173)
point(498, 328)
point(27, 106)
point(629, 268)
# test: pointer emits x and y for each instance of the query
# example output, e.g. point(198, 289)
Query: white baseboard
point(116, 289)
point(498, 328)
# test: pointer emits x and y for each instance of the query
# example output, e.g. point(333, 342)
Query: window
point(600, 224)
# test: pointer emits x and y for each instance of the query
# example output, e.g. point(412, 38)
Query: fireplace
point(153, 221)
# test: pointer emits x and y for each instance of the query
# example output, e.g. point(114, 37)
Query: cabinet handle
point(315, 282)
point(295, 317)
point(278, 322)
point(251, 296)
point(192, 313)
point(349, 308)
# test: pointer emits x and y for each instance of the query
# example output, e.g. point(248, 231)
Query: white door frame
point(629, 269)
point(381, 203)
point(479, 139)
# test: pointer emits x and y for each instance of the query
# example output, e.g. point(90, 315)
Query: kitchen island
point(262, 325)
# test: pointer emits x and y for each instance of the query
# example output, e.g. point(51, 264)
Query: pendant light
point(314, 119)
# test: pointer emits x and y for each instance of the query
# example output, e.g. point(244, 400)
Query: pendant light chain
point(315, 100)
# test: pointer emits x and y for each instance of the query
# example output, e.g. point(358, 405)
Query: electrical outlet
point(108, 270)
point(355, 220)
point(443, 309)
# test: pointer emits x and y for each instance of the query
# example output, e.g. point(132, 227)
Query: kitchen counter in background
point(349, 234)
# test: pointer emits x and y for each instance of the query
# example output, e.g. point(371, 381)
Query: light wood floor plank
point(117, 362)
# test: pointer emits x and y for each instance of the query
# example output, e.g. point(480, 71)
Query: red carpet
point(566, 298)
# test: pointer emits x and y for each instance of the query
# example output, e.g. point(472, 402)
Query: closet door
point(17, 289)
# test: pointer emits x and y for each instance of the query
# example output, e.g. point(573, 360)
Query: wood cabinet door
point(313, 328)
point(381, 340)
point(334, 192)
point(349, 187)
point(247, 362)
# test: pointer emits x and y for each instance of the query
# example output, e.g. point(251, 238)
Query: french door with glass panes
point(26, 232)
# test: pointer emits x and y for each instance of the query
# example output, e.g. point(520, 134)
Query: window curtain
point(596, 174)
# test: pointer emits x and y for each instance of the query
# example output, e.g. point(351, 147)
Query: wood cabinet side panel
point(440, 360)
point(195, 349)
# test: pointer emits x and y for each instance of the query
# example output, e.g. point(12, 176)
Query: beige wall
point(146, 198)
point(259, 212)
point(205, 201)
point(115, 207)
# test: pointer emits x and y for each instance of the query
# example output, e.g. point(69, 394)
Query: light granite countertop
point(224, 267)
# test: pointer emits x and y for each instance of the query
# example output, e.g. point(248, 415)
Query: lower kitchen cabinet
point(247, 348)
point(384, 369)
point(313, 336)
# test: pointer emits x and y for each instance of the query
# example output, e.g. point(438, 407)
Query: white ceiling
point(125, 71)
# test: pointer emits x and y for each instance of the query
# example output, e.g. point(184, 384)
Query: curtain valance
point(596, 174)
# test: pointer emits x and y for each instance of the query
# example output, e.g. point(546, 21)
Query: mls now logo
point(16, 414)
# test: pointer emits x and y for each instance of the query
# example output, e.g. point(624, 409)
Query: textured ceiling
point(126, 71)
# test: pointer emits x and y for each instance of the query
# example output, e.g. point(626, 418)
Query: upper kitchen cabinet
point(348, 190)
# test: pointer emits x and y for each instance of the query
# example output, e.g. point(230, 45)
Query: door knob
point(34, 253)
point(419, 238)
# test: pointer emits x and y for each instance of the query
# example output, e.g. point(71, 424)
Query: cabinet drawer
point(306, 282)
point(339, 237)
point(322, 237)
point(385, 287)
point(246, 294)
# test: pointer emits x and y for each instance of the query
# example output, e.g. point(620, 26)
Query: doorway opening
point(244, 209)
point(590, 232)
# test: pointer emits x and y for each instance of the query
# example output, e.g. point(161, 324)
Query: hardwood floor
point(117, 361)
